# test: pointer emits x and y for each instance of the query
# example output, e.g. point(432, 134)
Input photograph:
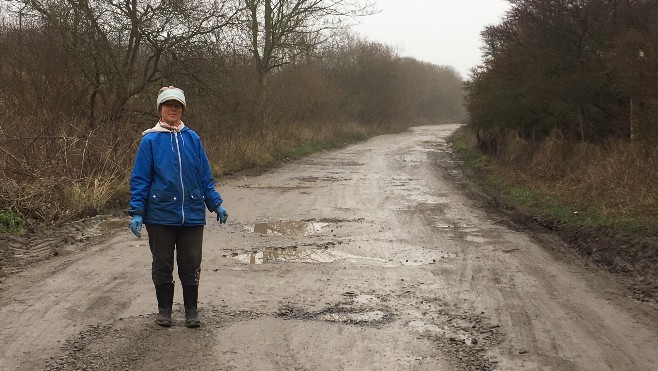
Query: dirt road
point(364, 258)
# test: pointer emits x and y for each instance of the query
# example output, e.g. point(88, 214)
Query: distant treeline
point(263, 79)
point(586, 69)
point(99, 60)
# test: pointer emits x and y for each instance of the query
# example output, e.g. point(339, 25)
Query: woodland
point(566, 103)
point(265, 81)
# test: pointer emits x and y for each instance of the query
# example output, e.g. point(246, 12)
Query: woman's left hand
point(222, 215)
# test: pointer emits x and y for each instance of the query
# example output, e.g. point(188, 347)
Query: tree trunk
point(582, 124)
point(632, 123)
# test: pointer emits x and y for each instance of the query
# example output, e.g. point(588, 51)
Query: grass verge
point(545, 197)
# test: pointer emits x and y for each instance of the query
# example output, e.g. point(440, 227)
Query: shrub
point(11, 223)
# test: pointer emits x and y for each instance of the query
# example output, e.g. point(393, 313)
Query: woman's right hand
point(136, 225)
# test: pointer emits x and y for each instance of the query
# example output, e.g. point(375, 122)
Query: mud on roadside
point(136, 343)
point(630, 258)
point(20, 252)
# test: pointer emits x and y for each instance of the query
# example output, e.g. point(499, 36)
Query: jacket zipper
point(180, 173)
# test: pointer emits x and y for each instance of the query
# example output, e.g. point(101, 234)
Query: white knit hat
point(170, 93)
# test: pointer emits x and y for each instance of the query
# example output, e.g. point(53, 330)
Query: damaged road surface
point(364, 258)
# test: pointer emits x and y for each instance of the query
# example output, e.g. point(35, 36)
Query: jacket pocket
point(197, 204)
point(163, 207)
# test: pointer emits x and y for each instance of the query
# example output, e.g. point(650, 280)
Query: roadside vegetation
point(611, 185)
point(563, 112)
point(265, 82)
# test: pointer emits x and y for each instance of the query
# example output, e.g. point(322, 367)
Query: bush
point(11, 223)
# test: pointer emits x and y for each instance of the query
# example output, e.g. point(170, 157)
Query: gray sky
point(444, 32)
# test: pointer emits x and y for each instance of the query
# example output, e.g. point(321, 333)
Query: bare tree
point(121, 44)
point(279, 31)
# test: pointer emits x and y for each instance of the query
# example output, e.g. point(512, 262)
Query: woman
point(171, 185)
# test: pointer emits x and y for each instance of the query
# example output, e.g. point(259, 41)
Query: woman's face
point(171, 111)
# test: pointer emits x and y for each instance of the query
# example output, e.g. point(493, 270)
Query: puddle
point(354, 317)
point(289, 256)
point(295, 255)
point(472, 234)
point(325, 255)
point(110, 225)
point(340, 314)
point(289, 228)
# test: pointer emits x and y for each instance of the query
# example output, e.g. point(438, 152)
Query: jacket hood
point(158, 128)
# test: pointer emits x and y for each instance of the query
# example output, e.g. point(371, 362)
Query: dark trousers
point(186, 241)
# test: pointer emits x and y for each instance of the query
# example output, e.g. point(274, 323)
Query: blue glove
point(222, 215)
point(136, 225)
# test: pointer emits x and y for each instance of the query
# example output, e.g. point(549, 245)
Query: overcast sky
point(444, 32)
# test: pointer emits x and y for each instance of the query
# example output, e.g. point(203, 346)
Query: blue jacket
point(171, 181)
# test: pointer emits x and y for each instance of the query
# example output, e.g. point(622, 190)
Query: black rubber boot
point(190, 297)
point(165, 295)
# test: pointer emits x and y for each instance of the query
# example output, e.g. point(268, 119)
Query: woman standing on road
point(171, 185)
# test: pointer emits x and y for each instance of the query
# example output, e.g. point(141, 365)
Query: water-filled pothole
point(354, 317)
point(294, 255)
point(289, 228)
point(110, 225)
point(305, 255)
point(361, 316)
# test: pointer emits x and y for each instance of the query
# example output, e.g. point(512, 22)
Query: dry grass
point(616, 178)
point(68, 175)
point(64, 174)
point(291, 140)
point(620, 176)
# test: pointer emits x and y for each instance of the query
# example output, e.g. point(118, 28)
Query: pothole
point(339, 314)
point(300, 255)
point(289, 228)
point(110, 225)
point(323, 253)
point(354, 318)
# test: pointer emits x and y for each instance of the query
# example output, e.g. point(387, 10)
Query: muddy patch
point(295, 254)
point(473, 235)
point(324, 252)
point(19, 252)
point(112, 225)
point(289, 228)
point(316, 179)
point(332, 164)
point(301, 228)
point(464, 335)
point(436, 209)
point(137, 343)
point(359, 316)
point(276, 187)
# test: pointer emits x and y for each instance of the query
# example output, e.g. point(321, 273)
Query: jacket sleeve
point(141, 178)
point(213, 199)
